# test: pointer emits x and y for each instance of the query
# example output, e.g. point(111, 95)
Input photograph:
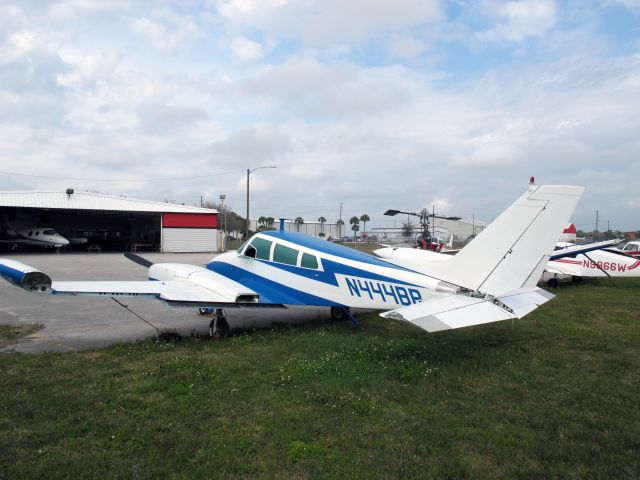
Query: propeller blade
point(138, 259)
point(391, 213)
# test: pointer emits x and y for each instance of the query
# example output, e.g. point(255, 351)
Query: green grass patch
point(555, 395)
point(10, 334)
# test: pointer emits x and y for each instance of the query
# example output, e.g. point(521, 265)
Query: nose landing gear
point(219, 326)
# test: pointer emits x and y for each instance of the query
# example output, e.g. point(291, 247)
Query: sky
point(373, 105)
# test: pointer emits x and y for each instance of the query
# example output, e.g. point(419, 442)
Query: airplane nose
point(63, 241)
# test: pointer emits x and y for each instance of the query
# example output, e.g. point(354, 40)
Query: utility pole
point(248, 222)
point(224, 218)
point(340, 224)
point(200, 201)
point(597, 213)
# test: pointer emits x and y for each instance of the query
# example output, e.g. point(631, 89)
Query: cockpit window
point(309, 261)
point(282, 254)
point(49, 232)
point(631, 247)
point(263, 248)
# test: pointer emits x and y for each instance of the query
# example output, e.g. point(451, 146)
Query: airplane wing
point(578, 249)
point(208, 289)
point(457, 311)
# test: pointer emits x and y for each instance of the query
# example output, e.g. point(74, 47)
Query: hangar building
point(112, 223)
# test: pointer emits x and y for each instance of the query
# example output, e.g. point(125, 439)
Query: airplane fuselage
point(44, 237)
point(294, 269)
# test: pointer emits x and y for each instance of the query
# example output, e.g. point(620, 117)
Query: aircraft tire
point(222, 330)
point(338, 314)
point(552, 283)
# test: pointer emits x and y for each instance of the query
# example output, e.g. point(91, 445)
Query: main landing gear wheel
point(219, 327)
point(338, 314)
point(552, 283)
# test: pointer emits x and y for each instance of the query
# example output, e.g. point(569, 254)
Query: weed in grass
point(10, 334)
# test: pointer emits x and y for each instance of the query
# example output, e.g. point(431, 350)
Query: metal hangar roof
point(91, 201)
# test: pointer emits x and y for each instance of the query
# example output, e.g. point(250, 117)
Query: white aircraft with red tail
point(593, 260)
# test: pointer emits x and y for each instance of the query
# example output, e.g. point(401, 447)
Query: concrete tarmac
point(81, 323)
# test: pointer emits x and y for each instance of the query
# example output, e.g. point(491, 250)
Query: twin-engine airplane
point(493, 278)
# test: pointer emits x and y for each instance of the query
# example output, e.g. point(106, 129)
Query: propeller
point(138, 259)
point(392, 213)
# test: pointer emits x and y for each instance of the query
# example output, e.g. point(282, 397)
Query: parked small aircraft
point(493, 278)
point(592, 260)
point(43, 237)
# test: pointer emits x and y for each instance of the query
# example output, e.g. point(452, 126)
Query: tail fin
point(513, 250)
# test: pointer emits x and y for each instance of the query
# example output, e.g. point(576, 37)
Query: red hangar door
point(189, 232)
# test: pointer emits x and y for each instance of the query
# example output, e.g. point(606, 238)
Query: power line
point(83, 179)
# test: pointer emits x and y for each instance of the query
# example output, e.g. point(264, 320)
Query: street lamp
point(249, 172)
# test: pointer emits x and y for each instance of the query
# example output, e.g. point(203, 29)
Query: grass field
point(556, 395)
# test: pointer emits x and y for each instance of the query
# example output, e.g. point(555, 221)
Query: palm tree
point(355, 226)
point(407, 229)
point(269, 221)
point(299, 221)
point(322, 220)
point(364, 219)
point(340, 223)
point(261, 223)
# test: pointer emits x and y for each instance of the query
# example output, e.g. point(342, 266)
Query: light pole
point(249, 172)
point(224, 218)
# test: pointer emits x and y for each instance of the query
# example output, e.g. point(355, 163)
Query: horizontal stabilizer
point(457, 311)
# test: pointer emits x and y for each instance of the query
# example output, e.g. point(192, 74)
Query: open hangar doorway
point(86, 230)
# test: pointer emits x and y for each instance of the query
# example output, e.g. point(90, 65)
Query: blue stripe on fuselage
point(269, 291)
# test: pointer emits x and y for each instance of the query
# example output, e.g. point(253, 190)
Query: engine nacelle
point(213, 281)
point(25, 277)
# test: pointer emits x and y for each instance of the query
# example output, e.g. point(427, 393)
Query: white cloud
point(489, 155)
point(167, 30)
point(406, 46)
point(327, 22)
point(517, 20)
point(246, 50)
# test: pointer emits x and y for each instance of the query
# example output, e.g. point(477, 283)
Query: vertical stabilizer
point(513, 250)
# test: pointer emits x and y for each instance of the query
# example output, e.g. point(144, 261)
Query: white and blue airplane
point(493, 278)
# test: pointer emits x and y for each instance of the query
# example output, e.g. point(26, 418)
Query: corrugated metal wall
point(182, 240)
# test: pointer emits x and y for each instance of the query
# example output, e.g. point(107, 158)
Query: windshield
point(50, 231)
point(242, 246)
